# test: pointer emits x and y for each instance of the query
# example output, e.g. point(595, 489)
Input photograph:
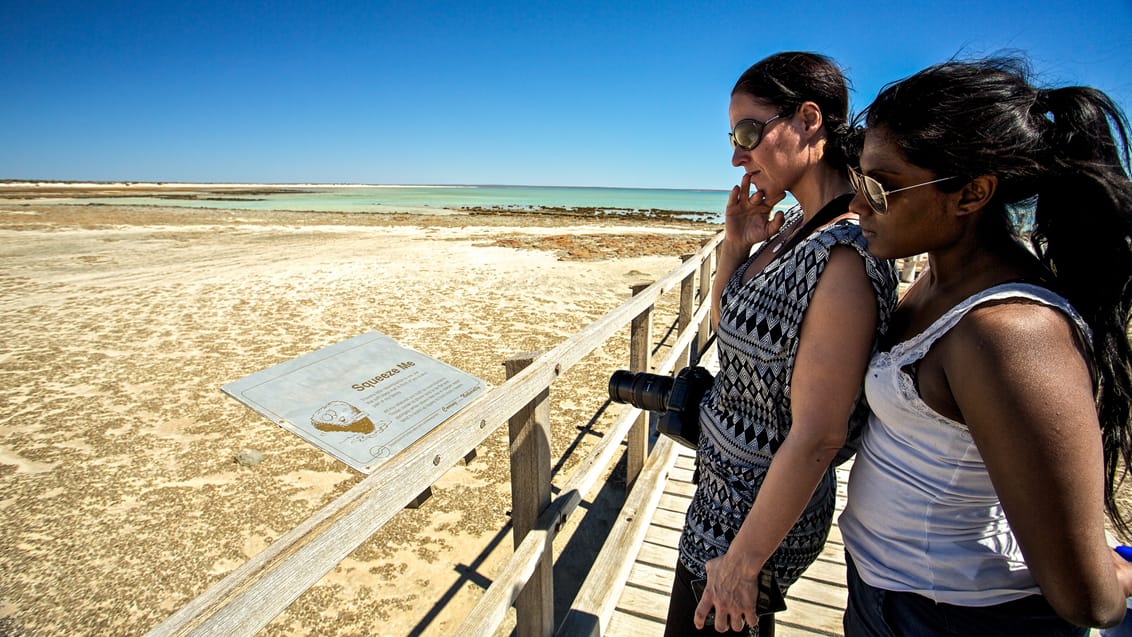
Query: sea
point(699, 205)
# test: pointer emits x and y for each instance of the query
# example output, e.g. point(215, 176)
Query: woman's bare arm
point(1025, 393)
point(834, 345)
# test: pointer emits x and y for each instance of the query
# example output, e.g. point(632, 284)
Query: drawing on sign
point(339, 415)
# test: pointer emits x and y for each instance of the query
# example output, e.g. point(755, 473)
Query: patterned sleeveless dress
point(745, 417)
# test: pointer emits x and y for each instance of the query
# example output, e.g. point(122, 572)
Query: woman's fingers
point(703, 609)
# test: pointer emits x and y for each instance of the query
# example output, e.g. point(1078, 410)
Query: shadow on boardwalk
point(815, 604)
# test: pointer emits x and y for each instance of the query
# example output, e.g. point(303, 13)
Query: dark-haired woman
point(796, 321)
point(1001, 395)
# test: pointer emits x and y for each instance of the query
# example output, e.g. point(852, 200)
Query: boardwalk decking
point(815, 603)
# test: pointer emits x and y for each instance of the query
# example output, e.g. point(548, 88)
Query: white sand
point(120, 495)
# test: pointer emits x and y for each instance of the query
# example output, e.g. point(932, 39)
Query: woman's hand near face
point(748, 219)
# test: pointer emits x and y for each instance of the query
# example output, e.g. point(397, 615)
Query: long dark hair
point(1062, 153)
point(787, 79)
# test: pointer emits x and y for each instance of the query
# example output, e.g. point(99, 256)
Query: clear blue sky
point(613, 93)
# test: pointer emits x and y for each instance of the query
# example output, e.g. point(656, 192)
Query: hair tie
point(840, 130)
point(1042, 101)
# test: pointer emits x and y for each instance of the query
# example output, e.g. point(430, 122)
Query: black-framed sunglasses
point(749, 132)
point(875, 194)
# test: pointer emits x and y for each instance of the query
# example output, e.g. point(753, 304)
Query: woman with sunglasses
point(796, 322)
point(1001, 394)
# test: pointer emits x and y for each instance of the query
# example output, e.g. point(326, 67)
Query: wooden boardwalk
point(815, 603)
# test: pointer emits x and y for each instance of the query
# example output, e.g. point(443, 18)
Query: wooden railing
point(253, 594)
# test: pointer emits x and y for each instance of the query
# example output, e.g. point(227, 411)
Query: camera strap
point(835, 208)
point(695, 360)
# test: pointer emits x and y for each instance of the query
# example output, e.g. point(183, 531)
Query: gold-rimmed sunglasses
point(874, 192)
point(749, 132)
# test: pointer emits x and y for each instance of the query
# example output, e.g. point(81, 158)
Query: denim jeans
point(873, 612)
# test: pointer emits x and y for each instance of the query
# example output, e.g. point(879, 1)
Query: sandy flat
point(121, 496)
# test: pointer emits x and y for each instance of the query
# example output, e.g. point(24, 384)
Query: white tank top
point(922, 514)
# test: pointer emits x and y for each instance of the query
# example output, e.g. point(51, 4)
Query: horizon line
point(243, 184)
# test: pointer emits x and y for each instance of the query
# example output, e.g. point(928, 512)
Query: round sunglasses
point(875, 194)
point(749, 132)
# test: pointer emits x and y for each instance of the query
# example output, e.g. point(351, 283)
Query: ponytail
point(843, 145)
point(1086, 126)
point(1082, 229)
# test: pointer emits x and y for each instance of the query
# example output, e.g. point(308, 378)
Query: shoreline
point(25, 183)
point(275, 197)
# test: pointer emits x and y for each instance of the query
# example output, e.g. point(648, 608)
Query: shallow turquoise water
point(707, 204)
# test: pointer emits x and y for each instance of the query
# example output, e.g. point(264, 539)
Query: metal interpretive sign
point(361, 400)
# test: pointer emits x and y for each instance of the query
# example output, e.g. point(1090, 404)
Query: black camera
point(677, 400)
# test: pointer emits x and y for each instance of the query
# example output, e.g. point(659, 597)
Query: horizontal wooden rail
point(247, 599)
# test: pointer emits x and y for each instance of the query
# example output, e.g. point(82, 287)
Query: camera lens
point(643, 390)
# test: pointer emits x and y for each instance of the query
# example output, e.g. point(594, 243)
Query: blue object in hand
point(1125, 627)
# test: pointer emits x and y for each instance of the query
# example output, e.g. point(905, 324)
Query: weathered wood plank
point(834, 551)
point(826, 571)
point(819, 619)
point(674, 502)
point(665, 536)
point(658, 555)
point(529, 432)
point(655, 578)
point(684, 315)
point(795, 630)
point(599, 593)
point(668, 519)
point(681, 474)
point(707, 270)
point(640, 360)
point(819, 593)
point(835, 536)
point(633, 626)
point(645, 603)
point(686, 459)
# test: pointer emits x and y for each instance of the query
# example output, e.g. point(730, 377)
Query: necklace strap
point(832, 210)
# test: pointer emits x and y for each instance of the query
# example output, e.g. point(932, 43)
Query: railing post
point(530, 494)
point(684, 315)
point(908, 269)
point(707, 273)
point(640, 360)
